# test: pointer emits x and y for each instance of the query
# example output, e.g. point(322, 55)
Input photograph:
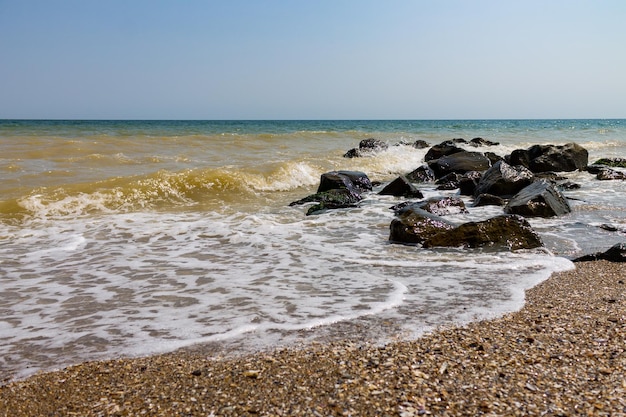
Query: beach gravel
point(563, 354)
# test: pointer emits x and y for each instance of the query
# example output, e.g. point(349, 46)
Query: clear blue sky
point(319, 59)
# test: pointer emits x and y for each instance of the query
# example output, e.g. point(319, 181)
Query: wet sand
point(563, 354)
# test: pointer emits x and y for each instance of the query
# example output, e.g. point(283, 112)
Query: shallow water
point(131, 238)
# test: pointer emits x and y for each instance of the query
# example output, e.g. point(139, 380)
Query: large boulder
point(352, 180)
point(543, 158)
point(401, 187)
point(511, 232)
point(504, 180)
point(539, 199)
point(460, 163)
point(414, 226)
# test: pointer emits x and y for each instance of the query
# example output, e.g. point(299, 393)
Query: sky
point(318, 59)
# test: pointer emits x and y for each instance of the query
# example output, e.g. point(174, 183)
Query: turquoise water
point(122, 238)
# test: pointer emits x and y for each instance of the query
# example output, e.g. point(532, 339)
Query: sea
point(131, 238)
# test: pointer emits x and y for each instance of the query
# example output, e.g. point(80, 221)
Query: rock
point(401, 187)
point(420, 144)
point(414, 226)
point(421, 174)
point(512, 232)
point(542, 158)
point(468, 182)
point(482, 142)
point(504, 180)
point(351, 180)
point(331, 199)
point(617, 253)
point(612, 162)
point(366, 146)
point(606, 174)
point(460, 163)
point(595, 169)
point(449, 182)
point(488, 200)
point(493, 157)
point(539, 199)
point(443, 149)
point(568, 185)
point(439, 206)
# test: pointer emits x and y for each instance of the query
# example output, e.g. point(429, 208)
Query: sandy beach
point(563, 354)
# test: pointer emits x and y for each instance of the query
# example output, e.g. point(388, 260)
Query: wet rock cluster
point(526, 183)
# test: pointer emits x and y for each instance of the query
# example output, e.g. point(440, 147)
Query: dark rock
point(468, 182)
point(595, 169)
point(449, 182)
point(488, 200)
point(504, 180)
point(606, 174)
point(443, 149)
point(482, 142)
point(439, 206)
point(414, 226)
point(617, 253)
point(512, 232)
point(612, 162)
point(539, 199)
point(493, 157)
point(331, 199)
point(401, 187)
point(421, 174)
point(518, 157)
point(421, 144)
point(351, 180)
point(568, 185)
point(559, 158)
point(366, 146)
point(550, 176)
point(372, 144)
point(460, 163)
point(352, 153)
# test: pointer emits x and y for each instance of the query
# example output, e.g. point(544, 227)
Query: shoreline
point(563, 353)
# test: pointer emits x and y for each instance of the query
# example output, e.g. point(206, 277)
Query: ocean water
point(125, 238)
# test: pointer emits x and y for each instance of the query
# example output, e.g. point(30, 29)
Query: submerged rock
point(617, 253)
point(612, 162)
point(331, 199)
point(414, 226)
point(366, 146)
point(512, 232)
point(607, 174)
point(337, 189)
point(439, 206)
point(539, 199)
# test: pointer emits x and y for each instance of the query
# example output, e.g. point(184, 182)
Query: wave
point(161, 190)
